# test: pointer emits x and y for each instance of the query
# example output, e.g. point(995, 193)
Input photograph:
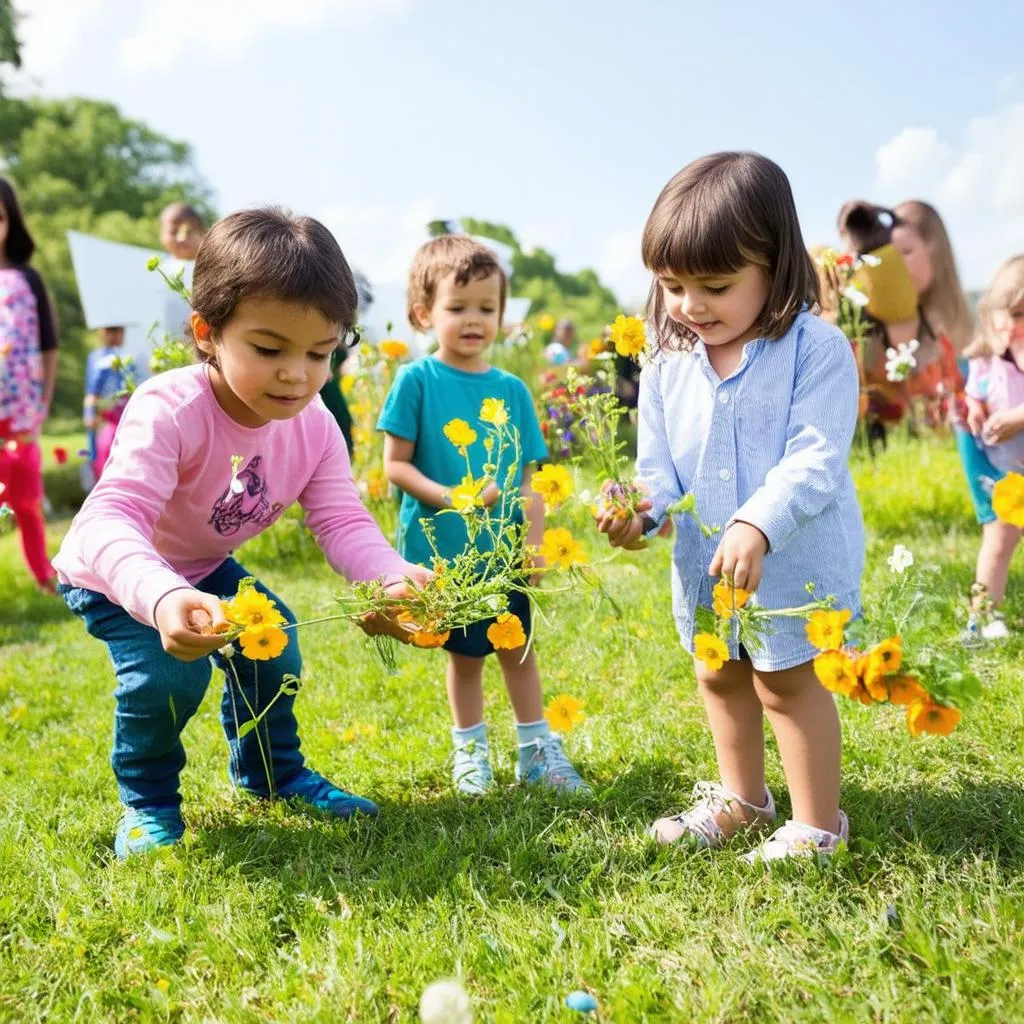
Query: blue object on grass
point(582, 1001)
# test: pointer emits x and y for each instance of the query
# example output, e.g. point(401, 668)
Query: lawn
point(268, 914)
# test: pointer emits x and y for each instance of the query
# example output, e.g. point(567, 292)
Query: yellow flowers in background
point(506, 632)
point(554, 484)
point(393, 348)
point(546, 322)
point(1008, 499)
point(560, 549)
point(564, 713)
point(460, 433)
point(628, 335)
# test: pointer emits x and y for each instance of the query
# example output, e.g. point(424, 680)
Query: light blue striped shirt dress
point(768, 445)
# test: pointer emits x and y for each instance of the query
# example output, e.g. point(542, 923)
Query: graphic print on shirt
point(245, 502)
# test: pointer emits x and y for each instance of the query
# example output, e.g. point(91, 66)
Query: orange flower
point(422, 636)
point(836, 672)
point(506, 632)
point(927, 716)
point(710, 650)
point(884, 659)
point(825, 628)
point(906, 690)
point(263, 643)
point(394, 348)
point(725, 598)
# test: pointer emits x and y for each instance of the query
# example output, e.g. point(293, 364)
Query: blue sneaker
point(313, 789)
point(142, 829)
point(471, 768)
point(543, 762)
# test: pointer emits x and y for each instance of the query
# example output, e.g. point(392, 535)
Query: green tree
point(10, 47)
point(78, 164)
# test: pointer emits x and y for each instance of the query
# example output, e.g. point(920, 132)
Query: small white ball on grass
point(445, 1002)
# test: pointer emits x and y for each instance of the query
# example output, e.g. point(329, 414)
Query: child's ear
point(422, 316)
point(202, 333)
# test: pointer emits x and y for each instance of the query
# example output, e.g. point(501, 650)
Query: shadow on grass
point(24, 612)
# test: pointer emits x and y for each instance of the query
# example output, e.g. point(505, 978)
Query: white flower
point(871, 261)
point(901, 559)
point(495, 602)
point(585, 497)
point(227, 651)
point(856, 296)
point(900, 361)
point(445, 1002)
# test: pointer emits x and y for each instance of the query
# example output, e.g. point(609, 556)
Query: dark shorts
point(472, 641)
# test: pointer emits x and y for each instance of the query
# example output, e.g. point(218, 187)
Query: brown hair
point(1005, 292)
point(267, 253)
point(943, 304)
point(460, 255)
point(182, 211)
point(717, 215)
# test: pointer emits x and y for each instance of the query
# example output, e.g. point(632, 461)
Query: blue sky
point(562, 118)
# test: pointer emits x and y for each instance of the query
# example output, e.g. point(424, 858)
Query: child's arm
point(977, 413)
point(822, 419)
point(398, 468)
point(1003, 425)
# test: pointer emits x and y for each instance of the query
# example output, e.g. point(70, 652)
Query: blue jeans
point(157, 694)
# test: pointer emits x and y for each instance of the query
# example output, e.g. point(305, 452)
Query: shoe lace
point(553, 754)
point(701, 818)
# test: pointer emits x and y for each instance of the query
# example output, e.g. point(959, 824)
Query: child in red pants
point(21, 481)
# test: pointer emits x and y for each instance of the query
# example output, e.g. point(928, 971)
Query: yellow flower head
point(424, 636)
point(883, 660)
point(906, 690)
point(596, 347)
point(466, 495)
point(927, 716)
point(493, 411)
point(711, 651)
point(460, 433)
point(825, 628)
point(546, 322)
point(347, 383)
point(252, 610)
point(835, 671)
point(564, 713)
point(553, 484)
point(264, 643)
point(393, 348)
point(725, 598)
point(506, 632)
point(1008, 499)
point(628, 335)
point(560, 548)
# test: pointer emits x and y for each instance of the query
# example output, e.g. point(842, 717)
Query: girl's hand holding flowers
point(386, 623)
point(740, 555)
point(624, 532)
point(190, 623)
point(1003, 425)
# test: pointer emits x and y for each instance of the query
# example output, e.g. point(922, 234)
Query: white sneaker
point(717, 816)
point(995, 628)
point(796, 840)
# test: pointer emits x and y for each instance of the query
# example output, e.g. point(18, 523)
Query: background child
point(995, 420)
point(457, 288)
point(750, 404)
point(147, 559)
point(181, 233)
point(105, 398)
point(28, 373)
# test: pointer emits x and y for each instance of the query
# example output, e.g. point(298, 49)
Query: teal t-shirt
point(425, 396)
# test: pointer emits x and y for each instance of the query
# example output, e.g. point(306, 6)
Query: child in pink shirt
point(148, 557)
point(995, 419)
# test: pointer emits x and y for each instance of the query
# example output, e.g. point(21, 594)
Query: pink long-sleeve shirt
point(168, 510)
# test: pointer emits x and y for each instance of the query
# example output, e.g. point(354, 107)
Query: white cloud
point(50, 31)
point(976, 184)
point(169, 31)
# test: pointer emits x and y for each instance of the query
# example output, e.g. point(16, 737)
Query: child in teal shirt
point(457, 289)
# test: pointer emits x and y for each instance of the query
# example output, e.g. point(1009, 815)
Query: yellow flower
point(424, 636)
point(707, 648)
point(460, 433)
point(506, 632)
point(553, 484)
point(564, 713)
point(725, 598)
point(596, 347)
point(927, 716)
point(393, 348)
point(467, 494)
point(264, 643)
point(1008, 499)
point(377, 485)
point(825, 628)
point(347, 383)
point(493, 411)
point(883, 660)
point(546, 322)
point(906, 690)
point(560, 548)
point(252, 610)
point(836, 672)
point(628, 335)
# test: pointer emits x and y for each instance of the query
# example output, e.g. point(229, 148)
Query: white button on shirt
point(786, 435)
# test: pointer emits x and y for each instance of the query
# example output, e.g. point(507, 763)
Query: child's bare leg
point(998, 542)
point(465, 689)
point(803, 716)
point(522, 680)
point(736, 719)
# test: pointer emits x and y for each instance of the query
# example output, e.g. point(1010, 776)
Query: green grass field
point(266, 914)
